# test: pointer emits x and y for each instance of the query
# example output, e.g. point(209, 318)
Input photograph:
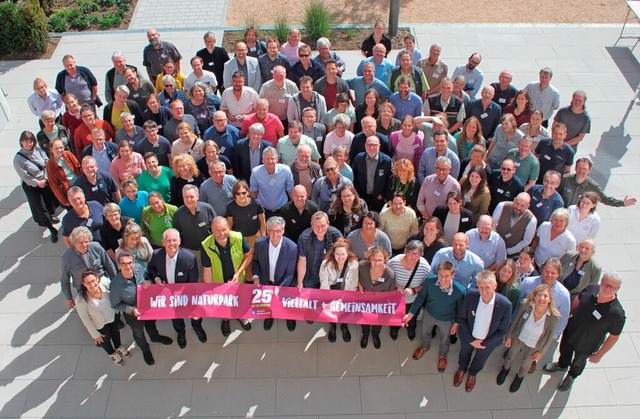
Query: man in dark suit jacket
point(285, 266)
point(373, 194)
point(185, 271)
point(482, 323)
point(242, 162)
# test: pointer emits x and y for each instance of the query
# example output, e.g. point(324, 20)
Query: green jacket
point(211, 249)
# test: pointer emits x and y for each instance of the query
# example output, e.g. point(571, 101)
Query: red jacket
point(58, 179)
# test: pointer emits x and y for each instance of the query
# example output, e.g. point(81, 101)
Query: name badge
point(89, 222)
point(159, 126)
point(319, 139)
point(283, 101)
point(516, 163)
point(506, 236)
point(436, 193)
point(450, 291)
point(255, 217)
point(381, 279)
point(435, 75)
point(222, 149)
point(229, 194)
point(381, 172)
point(95, 188)
point(272, 182)
point(580, 272)
point(136, 95)
point(502, 100)
point(340, 279)
point(180, 274)
point(167, 220)
point(211, 64)
point(484, 115)
point(190, 180)
point(163, 55)
point(525, 316)
point(470, 81)
point(539, 204)
point(499, 190)
point(202, 224)
point(465, 219)
point(596, 314)
point(156, 145)
point(547, 157)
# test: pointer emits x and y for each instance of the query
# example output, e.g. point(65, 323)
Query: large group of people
point(274, 168)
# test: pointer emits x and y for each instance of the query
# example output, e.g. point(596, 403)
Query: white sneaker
point(124, 352)
point(117, 359)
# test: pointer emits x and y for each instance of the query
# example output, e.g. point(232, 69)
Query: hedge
point(24, 27)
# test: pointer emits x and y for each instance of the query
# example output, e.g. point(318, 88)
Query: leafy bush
point(24, 27)
point(59, 21)
point(317, 20)
point(106, 3)
point(78, 20)
point(281, 29)
point(109, 20)
point(87, 6)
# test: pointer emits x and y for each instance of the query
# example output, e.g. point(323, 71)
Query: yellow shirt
point(115, 117)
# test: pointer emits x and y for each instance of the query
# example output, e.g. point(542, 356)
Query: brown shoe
point(419, 353)
point(442, 363)
point(471, 383)
point(457, 378)
point(533, 366)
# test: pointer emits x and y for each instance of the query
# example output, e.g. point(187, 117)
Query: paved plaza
point(50, 368)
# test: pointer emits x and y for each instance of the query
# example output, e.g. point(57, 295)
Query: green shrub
point(317, 20)
point(87, 6)
point(59, 21)
point(24, 27)
point(78, 20)
point(281, 29)
point(109, 20)
point(34, 36)
point(106, 3)
point(350, 33)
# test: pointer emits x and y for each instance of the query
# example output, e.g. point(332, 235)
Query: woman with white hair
point(553, 239)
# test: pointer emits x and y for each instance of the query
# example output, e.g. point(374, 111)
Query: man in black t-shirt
point(593, 329)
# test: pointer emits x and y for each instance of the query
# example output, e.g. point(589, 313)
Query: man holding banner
point(225, 256)
point(175, 265)
point(274, 261)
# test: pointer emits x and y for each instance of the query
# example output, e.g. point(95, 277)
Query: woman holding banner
point(339, 271)
point(410, 269)
point(374, 275)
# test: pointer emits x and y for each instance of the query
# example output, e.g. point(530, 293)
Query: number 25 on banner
point(261, 296)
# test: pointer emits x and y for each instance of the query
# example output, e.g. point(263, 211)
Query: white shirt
point(557, 247)
point(532, 330)
point(484, 313)
point(170, 265)
point(587, 228)
point(274, 252)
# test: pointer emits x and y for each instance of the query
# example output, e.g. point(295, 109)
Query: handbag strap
point(413, 273)
point(36, 164)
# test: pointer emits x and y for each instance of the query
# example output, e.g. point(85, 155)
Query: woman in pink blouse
point(127, 165)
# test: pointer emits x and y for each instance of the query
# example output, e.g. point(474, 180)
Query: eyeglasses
point(506, 169)
point(330, 169)
point(243, 193)
point(303, 55)
point(373, 145)
point(168, 85)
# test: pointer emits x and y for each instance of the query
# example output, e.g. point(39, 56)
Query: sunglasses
point(330, 169)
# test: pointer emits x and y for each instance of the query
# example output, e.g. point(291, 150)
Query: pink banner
point(243, 301)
